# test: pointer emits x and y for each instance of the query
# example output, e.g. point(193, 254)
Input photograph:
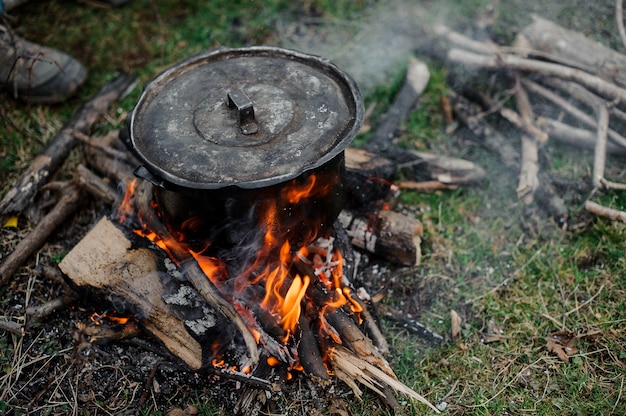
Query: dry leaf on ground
point(562, 344)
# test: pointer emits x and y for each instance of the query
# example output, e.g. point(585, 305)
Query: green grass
point(501, 266)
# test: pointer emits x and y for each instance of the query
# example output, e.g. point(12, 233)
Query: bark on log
point(390, 235)
point(575, 136)
point(580, 94)
point(563, 43)
point(104, 260)
point(504, 61)
point(58, 148)
point(68, 203)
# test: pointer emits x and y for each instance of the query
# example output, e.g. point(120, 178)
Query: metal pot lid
point(247, 117)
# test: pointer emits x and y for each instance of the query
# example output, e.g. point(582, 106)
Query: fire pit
point(242, 154)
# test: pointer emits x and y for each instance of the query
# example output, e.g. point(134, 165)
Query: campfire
point(230, 248)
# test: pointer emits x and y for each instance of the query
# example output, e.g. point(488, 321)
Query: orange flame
point(285, 292)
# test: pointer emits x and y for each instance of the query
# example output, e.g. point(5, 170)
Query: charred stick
point(372, 328)
point(309, 353)
point(58, 148)
point(36, 313)
point(68, 203)
point(400, 319)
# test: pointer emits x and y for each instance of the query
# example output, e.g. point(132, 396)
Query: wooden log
point(529, 169)
point(95, 186)
point(368, 178)
point(391, 235)
point(68, 203)
point(574, 136)
point(546, 195)
point(44, 166)
point(105, 260)
point(448, 170)
point(142, 198)
point(574, 47)
point(604, 88)
point(417, 76)
point(580, 94)
point(310, 355)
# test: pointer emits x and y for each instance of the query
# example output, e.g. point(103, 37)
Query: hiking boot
point(36, 73)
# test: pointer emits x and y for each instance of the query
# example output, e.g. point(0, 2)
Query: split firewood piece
point(43, 167)
point(104, 260)
point(416, 80)
point(352, 337)
point(352, 370)
point(391, 235)
point(68, 202)
point(587, 54)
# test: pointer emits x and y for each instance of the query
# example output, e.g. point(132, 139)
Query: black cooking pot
point(224, 132)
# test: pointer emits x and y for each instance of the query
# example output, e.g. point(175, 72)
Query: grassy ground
point(509, 271)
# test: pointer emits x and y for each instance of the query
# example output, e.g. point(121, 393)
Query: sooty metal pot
point(226, 131)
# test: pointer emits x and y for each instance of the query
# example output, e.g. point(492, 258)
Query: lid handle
point(239, 100)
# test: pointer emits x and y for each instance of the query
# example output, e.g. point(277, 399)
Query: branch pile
point(564, 86)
